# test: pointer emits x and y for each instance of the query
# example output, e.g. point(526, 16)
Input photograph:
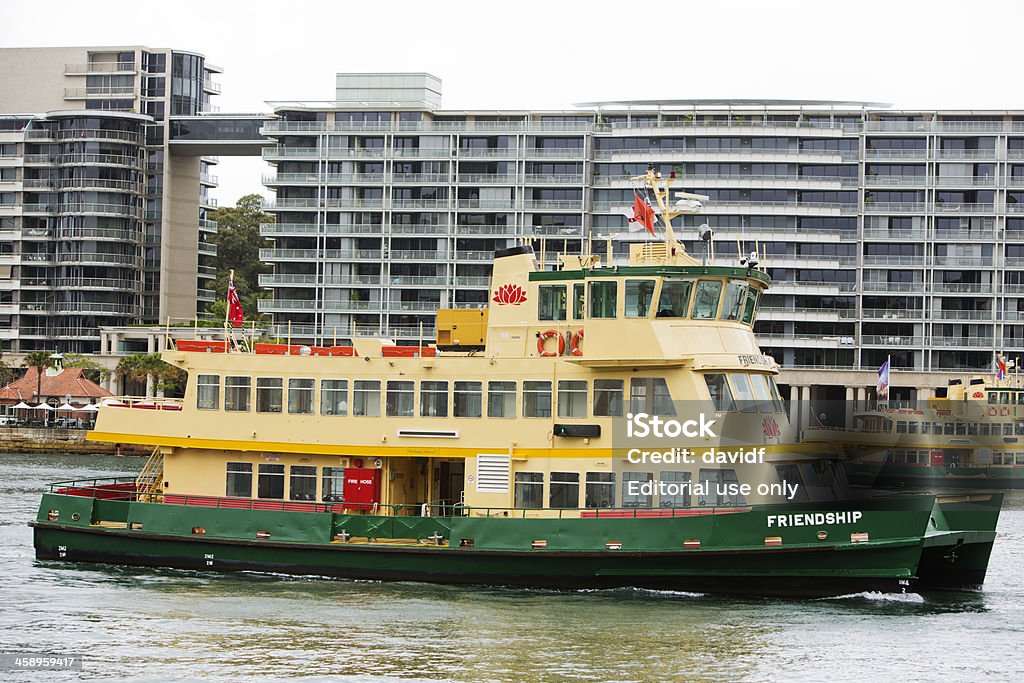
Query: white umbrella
point(42, 406)
point(66, 406)
point(22, 406)
point(90, 408)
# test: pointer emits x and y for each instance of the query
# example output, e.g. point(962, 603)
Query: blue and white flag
point(883, 380)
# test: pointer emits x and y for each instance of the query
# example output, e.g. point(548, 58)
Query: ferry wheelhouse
point(500, 455)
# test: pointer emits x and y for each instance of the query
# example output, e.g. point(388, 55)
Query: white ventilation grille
point(492, 473)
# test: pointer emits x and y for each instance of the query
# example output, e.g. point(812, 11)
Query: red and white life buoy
point(542, 339)
point(993, 411)
point(574, 343)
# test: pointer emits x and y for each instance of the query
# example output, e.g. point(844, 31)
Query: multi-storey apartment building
point(887, 233)
point(99, 224)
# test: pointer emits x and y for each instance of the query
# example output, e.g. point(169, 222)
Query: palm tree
point(39, 360)
point(132, 369)
point(141, 367)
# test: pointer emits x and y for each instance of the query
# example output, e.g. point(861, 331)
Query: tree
point(7, 373)
point(39, 360)
point(238, 243)
point(92, 369)
point(139, 367)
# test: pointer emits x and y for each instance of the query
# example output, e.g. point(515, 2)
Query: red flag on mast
point(643, 212)
point(235, 316)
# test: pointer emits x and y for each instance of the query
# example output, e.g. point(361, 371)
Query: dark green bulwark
point(892, 544)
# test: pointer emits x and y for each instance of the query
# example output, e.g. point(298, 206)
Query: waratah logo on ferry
point(770, 427)
point(510, 294)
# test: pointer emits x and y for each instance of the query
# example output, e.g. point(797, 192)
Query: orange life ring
point(543, 337)
point(1004, 411)
point(993, 411)
point(574, 343)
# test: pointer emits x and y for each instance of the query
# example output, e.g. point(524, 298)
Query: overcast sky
point(551, 54)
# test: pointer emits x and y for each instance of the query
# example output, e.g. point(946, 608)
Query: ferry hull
point(915, 544)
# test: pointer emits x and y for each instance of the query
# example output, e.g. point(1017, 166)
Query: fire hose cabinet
point(362, 488)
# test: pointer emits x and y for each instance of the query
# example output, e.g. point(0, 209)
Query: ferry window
point(983, 431)
point(961, 429)
point(1004, 397)
point(536, 398)
point(237, 393)
point(529, 491)
point(744, 394)
point(789, 477)
point(239, 483)
point(271, 482)
point(433, 399)
point(650, 395)
point(675, 490)
point(603, 299)
point(776, 396)
point(901, 427)
point(302, 485)
point(333, 484)
point(1020, 398)
point(631, 481)
point(721, 396)
point(564, 490)
point(705, 301)
point(708, 491)
point(1007, 429)
point(735, 296)
point(334, 397)
point(638, 298)
point(572, 398)
point(208, 392)
point(1018, 428)
point(762, 393)
point(997, 458)
point(366, 397)
point(269, 391)
point(551, 302)
point(911, 428)
point(608, 395)
point(972, 428)
point(469, 399)
point(300, 396)
point(400, 397)
point(578, 301)
point(501, 399)
point(1020, 459)
point(675, 298)
point(993, 397)
point(748, 311)
point(600, 492)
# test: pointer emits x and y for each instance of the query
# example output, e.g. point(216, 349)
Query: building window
point(303, 483)
point(366, 397)
point(468, 399)
point(333, 484)
point(536, 398)
point(239, 484)
point(208, 392)
point(501, 399)
point(564, 490)
point(675, 491)
point(551, 302)
point(334, 397)
point(603, 299)
point(572, 398)
point(269, 392)
point(608, 395)
point(400, 398)
point(631, 481)
point(433, 399)
point(600, 492)
point(271, 482)
point(237, 393)
point(638, 298)
point(529, 491)
point(300, 396)
point(650, 395)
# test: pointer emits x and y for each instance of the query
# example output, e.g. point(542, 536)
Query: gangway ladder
point(149, 483)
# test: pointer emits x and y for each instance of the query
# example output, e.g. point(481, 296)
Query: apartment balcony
point(962, 342)
point(971, 235)
point(207, 226)
point(418, 281)
point(311, 280)
point(99, 258)
point(433, 229)
point(487, 153)
point(207, 248)
point(211, 87)
point(474, 255)
point(960, 315)
point(892, 314)
point(552, 179)
point(99, 91)
point(418, 255)
point(100, 184)
point(962, 288)
point(472, 281)
point(488, 230)
point(79, 283)
point(894, 207)
point(300, 229)
point(804, 340)
point(552, 205)
point(963, 261)
point(891, 154)
point(875, 260)
point(812, 314)
point(808, 288)
point(94, 307)
point(422, 204)
point(719, 155)
point(485, 179)
point(965, 154)
point(914, 234)
point(87, 68)
point(895, 181)
point(421, 178)
point(556, 153)
point(890, 340)
point(40, 209)
point(99, 159)
point(206, 295)
point(966, 181)
point(319, 255)
point(962, 208)
point(424, 152)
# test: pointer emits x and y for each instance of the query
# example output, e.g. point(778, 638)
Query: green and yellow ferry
point(506, 454)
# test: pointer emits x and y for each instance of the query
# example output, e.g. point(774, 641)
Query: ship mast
point(687, 203)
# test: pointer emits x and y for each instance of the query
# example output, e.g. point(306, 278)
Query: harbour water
point(143, 624)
